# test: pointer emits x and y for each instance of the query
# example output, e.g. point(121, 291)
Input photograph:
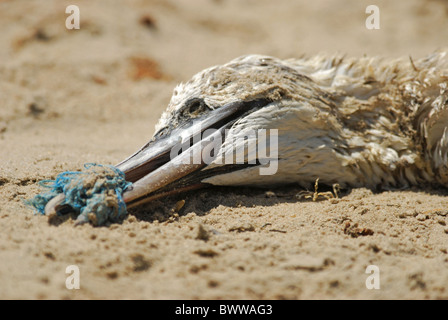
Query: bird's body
point(357, 122)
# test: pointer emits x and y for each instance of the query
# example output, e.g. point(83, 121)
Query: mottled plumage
point(357, 122)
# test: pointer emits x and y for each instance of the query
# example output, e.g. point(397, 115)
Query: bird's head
point(221, 127)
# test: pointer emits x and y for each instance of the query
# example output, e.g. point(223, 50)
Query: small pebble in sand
point(242, 227)
point(421, 217)
point(203, 234)
point(270, 194)
point(148, 21)
point(306, 262)
point(442, 213)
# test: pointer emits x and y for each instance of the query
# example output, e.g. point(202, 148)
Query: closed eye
point(194, 108)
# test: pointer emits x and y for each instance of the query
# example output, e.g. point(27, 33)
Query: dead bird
point(357, 122)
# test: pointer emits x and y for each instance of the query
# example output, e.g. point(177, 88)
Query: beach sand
point(69, 97)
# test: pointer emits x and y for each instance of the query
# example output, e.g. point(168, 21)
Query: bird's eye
point(194, 108)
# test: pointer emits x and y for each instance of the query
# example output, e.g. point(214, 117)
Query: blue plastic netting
point(94, 194)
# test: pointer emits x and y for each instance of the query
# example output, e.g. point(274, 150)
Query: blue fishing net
point(94, 194)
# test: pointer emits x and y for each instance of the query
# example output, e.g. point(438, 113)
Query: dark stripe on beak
point(153, 168)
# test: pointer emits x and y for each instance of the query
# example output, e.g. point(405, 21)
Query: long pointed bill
point(169, 163)
point(145, 188)
point(158, 170)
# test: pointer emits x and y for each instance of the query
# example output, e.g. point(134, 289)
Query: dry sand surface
point(68, 97)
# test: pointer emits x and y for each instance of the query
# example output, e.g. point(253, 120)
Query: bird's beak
point(171, 163)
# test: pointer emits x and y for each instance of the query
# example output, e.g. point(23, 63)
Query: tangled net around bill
point(94, 194)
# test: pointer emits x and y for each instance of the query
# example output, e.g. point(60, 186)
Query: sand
point(68, 97)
